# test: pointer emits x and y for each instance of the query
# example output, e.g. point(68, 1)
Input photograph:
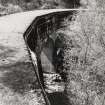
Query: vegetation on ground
point(84, 56)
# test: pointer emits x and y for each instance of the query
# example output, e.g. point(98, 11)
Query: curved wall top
point(19, 22)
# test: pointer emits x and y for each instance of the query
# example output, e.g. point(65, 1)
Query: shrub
point(84, 58)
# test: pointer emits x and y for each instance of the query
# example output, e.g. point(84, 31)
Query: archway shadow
point(58, 98)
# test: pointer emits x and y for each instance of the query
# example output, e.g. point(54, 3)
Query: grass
point(16, 84)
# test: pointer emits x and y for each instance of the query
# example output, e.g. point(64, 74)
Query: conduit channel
point(39, 39)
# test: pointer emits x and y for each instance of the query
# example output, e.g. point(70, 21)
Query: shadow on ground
point(58, 98)
point(19, 77)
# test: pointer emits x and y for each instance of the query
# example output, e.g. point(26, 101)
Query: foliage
point(71, 3)
point(84, 58)
point(93, 4)
point(9, 9)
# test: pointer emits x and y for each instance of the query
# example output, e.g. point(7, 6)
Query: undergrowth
point(84, 57)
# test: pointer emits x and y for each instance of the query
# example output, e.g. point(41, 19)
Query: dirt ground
point(17, 78)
